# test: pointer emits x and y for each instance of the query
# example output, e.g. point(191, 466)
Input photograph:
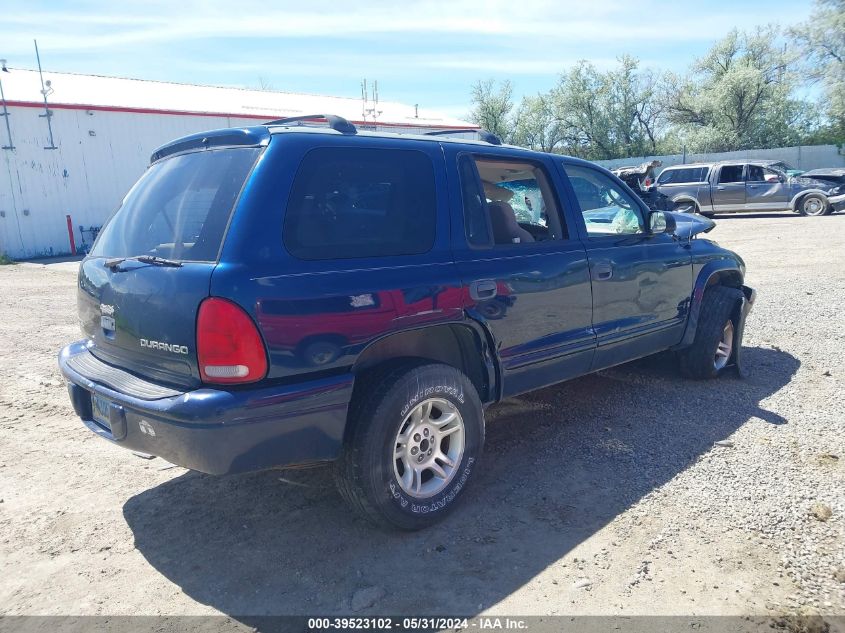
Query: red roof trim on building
point(261, 117)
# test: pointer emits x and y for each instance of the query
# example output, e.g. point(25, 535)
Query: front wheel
point(715, 335)
point(417, 431)
point(814, 204)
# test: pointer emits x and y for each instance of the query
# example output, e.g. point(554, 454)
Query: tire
point(814, 204)
point(712, 348)
point(392, 422)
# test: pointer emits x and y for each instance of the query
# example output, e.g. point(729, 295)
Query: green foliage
point(747, 91)
point(5, 260)
point(739, 96)
point(821, 40)
point(492, 105)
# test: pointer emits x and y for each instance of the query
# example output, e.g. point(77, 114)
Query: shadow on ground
point(559, 464)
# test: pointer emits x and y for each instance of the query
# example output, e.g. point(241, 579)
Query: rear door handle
point(482, 289)
point(602, 271)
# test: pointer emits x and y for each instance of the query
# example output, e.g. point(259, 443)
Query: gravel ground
point(628, 492)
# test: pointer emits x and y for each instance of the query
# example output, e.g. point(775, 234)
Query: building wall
point(804, 157)
point(100, 155)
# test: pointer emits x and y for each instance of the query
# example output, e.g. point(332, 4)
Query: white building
point(103, 132)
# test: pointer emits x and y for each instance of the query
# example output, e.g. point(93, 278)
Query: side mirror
point(660, 222)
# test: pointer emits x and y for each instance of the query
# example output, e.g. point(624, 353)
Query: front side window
point(730, 173)
point(507, 202)
point(180, 207)
point(356, 202)
point(757, 173)
point(605, 207)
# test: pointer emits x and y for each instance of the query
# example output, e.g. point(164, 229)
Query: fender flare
point(491, 359)
point(793, 204)
point(686, 198)
point(473, 322)
point(707, 273)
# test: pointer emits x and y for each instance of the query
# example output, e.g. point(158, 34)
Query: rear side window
point(731, 173)
point(682, 175)
point(180, 207)
point(356, 202)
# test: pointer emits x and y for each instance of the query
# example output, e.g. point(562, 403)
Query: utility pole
point(45, 90)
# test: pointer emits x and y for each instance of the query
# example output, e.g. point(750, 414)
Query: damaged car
point(748, 186)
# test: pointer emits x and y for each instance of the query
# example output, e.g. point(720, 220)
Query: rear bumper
point(215, 430)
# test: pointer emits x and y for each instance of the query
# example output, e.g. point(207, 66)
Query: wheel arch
point(464, 346)
point(799, 197)
point(686, 198)
point(724, 273)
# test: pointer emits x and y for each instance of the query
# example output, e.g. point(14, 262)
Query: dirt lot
point(603, 495)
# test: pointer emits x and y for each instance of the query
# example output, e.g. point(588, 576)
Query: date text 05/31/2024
point(410, 624)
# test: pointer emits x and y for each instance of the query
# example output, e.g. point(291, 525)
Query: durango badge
point(165, 347)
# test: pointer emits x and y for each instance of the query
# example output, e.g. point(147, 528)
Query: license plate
point(100, 408)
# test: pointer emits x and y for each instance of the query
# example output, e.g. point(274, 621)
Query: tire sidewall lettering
point(442, 500)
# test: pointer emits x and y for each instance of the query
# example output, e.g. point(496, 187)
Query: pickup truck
point(746, 186)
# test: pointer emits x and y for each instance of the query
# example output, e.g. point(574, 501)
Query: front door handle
point(720, 188)
point(483, 289)
point(602, 271)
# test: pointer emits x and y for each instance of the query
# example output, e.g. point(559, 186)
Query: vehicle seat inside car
point(506, 229)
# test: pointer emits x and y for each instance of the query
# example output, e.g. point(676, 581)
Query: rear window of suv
point(358, 202)
point(180, 207)
point(682, 175)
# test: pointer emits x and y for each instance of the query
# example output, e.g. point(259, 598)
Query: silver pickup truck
point(746, 186)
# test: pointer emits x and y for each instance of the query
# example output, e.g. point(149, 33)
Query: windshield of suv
point(180, 207)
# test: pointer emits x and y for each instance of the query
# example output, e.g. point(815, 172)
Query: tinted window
point(355, 202)
point(475, 211)
point(731, 173)
point(607, 209)
point(180, 207)
point(682, 175)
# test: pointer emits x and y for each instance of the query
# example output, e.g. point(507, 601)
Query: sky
point(427, 51)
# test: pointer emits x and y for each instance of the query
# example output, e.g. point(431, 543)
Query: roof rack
point(335, 122)
point(484, 135)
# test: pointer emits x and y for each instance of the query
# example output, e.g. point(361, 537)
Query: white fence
point(803, 157)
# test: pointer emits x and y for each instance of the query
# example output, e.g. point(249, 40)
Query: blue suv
point(296, 293)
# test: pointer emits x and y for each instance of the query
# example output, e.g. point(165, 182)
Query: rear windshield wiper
point(114, 262)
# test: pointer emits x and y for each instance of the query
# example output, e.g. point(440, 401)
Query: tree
point(536, 124)
point(822, 41)
point(491, 107)
point(610, 114)
point(740, 95)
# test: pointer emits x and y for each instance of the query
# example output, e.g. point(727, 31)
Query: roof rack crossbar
point(335, 122)
point(484, 135)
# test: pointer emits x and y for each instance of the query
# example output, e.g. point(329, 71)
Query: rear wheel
point(814, 204)
point(417, 431)
point(715, 336)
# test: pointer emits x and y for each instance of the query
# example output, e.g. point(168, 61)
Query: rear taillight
point(229, 347)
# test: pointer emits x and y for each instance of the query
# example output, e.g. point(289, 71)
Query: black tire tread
point(349, 470)
point(374, 384)
point(717, 306)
